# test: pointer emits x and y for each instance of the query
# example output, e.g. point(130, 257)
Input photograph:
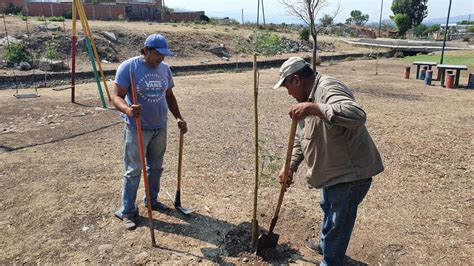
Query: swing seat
point(62, 88)
point(26, 95)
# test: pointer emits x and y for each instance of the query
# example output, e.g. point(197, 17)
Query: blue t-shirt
point(151, 84)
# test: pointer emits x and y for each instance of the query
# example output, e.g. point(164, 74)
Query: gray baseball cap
point(290, 66)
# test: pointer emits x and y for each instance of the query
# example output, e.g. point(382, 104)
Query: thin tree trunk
point(315, 53)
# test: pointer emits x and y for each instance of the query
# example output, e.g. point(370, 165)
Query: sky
point(276, 13)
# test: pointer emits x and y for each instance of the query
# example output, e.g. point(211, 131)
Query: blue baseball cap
point(159, 43)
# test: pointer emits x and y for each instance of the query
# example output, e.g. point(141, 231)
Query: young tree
point(357, 18)
point(307, 10)
point(326, 20)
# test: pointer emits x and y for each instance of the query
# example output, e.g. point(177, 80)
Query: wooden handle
point(142, 158)
point(291, 142)
point(180, 158)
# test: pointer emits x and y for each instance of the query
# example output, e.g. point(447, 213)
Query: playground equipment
point(78, 10)
point(17, 94)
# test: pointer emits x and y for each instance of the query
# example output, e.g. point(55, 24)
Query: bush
point(267, 43)
point(470, 29)
point(17, 53)
point(399, 54)
point(41, 18)
point(67, 14)
point(54, 18)
point(204, 18)
point(51, 50)
point(304, 34)
point(12, 9)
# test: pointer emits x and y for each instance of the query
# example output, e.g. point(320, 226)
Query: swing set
point(77, 12)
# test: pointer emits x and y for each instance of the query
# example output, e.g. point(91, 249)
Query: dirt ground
point(61, 174)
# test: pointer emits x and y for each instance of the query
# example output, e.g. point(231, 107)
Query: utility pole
point(242, 16)
point(263, 14)
point(258, 11)
point(445, 33)
point(380, 21)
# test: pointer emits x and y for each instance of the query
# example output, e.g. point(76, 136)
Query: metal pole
point(380, 21)
point(445, 33)
point(242, 17)
point(263, 14)
point(73, 52)
point(258, 11)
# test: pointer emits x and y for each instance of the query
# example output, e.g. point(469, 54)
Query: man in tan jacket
point(334, 143)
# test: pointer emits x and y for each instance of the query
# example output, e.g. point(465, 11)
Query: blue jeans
point(339, 203)
point(154, 143)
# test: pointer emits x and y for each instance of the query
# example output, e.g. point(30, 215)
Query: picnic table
point(423, 63)
point(458, 69)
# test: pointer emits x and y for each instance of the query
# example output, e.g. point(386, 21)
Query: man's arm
point(338, 108)
point(174, 109)
point(118, 100)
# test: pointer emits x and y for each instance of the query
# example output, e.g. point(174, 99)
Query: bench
point(423, 63)
point(458, 68)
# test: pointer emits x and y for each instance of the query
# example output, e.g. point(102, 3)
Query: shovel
point(177, 200)
point(270, 239)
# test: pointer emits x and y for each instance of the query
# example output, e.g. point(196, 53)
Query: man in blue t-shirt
point(154, 82)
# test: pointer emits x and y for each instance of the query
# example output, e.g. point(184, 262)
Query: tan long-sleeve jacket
point(339, 148)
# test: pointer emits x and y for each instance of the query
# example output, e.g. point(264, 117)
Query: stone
point(105, 248)
point(24, 66)
point(109, 36)
point(52, 65)
point(10, 39)
point(53, 27)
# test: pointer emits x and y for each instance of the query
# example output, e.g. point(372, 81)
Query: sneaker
point(129, 223)
point(314, 245)
point(160, 207)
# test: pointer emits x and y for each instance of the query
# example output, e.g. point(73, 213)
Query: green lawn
point(450, 57)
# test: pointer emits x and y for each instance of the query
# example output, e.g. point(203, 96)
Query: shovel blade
point(266, 241)
point(184, 210)
point(179, 208)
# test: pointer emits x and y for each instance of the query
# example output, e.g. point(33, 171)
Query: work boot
point(314, 246)
point(129, 223)
point(160, 207)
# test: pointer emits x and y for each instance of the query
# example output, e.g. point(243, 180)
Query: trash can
point(450, 81)
point(423, 73)
point(428, 77)
point(407, 72)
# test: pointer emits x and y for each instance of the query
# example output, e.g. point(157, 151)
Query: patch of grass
point(270, 164)
point(450, 57)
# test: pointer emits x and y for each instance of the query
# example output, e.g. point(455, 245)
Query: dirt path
point(60, 182)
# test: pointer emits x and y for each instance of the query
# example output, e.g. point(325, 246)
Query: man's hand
point(182, 125)
point(302, 110)
point(134, 110)
point(290, 177)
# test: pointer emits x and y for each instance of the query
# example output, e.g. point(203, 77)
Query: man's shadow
point(230, 240)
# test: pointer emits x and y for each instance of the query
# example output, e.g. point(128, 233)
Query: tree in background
point(420, 30)
point(412, 10)
point(403, 22)
point(326, 20)
point(357, 18)
point(307, 11)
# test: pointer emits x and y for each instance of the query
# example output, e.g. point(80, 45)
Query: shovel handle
point(180, 158)
point(289, 150)
point(142, 158)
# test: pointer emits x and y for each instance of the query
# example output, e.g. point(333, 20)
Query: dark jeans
point(339, 203)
